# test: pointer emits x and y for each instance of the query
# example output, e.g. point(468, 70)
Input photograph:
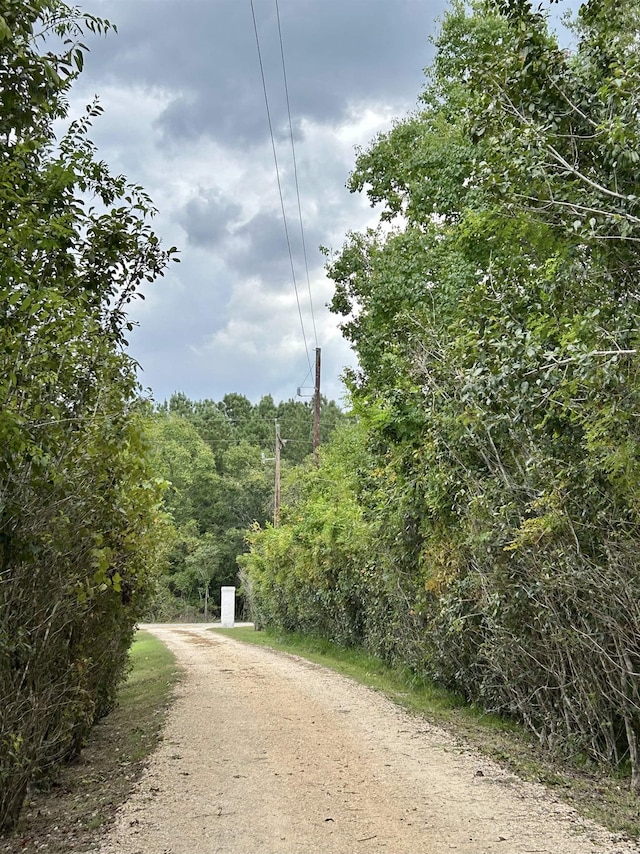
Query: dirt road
point(267, 754)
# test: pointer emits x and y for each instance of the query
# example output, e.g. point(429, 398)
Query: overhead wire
point(307, 375)
point(275, 160)
point(295, 174)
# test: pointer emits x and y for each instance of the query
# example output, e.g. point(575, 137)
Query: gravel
point(265, 752)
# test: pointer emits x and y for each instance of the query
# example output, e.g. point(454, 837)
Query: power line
point(307, 375)
point(295, 174)
point(275, 160)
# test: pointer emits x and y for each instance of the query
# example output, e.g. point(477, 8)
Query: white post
point(228, 607)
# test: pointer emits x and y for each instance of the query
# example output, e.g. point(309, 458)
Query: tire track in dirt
point(267, 753)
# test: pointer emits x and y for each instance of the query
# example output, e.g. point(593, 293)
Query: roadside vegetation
point(69, 813)
point(479, 525)
point(81, 527)
point(602, 797)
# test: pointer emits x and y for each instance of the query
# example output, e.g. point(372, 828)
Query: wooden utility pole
point(316, 412)
point(276, 503)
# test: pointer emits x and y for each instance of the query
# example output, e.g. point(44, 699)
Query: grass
point(69, 816)
point(596, 794)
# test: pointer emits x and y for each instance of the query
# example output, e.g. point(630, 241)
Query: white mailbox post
point(228, 607)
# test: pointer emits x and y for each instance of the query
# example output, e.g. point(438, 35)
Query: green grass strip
point(144, 697)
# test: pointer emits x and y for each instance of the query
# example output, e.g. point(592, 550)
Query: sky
point(185, 117)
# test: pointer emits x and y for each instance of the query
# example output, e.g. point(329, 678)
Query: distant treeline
point(217, 461)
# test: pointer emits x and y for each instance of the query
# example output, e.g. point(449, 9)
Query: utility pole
point(276, 503)
point(316, 412)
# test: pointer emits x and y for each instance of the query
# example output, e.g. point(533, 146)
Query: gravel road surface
point(265, 753)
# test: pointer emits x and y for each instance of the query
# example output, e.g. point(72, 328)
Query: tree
point(495, 316)
point(203, 563)
point(79, 505)
point(313, 572)
point(185, 460)
point(211, 497)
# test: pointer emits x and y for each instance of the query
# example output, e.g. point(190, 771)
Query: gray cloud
point(208, 218)
point(185, 117)
point(337, 52)
point(256, 248)
point(265, 251)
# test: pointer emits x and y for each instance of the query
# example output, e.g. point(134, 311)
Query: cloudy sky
point(185, 117)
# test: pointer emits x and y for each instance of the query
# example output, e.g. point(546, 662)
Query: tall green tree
point(497, 336)
point(79, 504)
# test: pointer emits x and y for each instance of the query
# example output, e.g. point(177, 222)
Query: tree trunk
point(634, 754)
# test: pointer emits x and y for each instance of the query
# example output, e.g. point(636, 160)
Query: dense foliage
point(218, 461)
point(79, 504)
point(309, 573)
point(495, 316)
